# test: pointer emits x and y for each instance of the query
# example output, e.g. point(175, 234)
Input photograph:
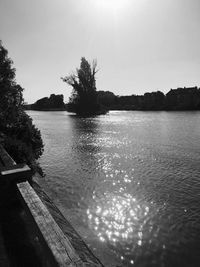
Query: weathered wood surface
point(62, 250)
point(10, 171)
point(77, 242)
point(14, 238)
point(62, 244)
point(17, 173)
point(14, 169)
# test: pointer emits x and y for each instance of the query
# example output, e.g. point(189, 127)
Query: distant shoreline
point(118, 109)
point(46, 109)
point(180, 99)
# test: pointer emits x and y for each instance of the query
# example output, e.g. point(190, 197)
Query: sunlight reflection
point(118, 218)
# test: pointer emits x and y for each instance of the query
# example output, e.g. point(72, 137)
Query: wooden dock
point(38, 226)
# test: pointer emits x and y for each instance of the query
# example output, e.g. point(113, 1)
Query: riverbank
point(99, 249)
point(20, 241)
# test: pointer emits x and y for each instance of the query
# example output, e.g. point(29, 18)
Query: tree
point(54, 102)
point(106, 98)
point(84, 95)
point(18, 134)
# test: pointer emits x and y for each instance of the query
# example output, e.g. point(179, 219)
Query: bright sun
point(114, 5)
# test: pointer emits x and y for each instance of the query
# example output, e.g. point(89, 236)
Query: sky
point(140, 45)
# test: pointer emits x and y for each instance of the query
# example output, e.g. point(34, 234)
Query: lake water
point(129, 182)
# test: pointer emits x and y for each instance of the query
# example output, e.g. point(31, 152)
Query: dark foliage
point(175, 99)
point(106, 98)
point(19, 135)
point(84, 96)
point(183, 99)
point(54, 102)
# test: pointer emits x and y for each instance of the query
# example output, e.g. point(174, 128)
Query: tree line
point(54, 102)
point(86, 100)
point(186, 98)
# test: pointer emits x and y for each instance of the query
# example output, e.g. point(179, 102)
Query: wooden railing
point(57, 246)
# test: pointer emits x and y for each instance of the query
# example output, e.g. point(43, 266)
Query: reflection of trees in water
point(84, 142)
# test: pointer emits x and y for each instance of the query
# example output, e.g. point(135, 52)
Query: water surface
point(129, 182)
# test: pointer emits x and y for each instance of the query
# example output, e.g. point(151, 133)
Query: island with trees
point(84, 98)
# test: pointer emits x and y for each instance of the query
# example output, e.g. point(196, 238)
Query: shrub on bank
point(18, 134)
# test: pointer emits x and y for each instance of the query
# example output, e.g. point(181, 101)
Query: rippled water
point(129, 182)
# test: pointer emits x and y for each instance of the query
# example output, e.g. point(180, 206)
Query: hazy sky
point(140, 45)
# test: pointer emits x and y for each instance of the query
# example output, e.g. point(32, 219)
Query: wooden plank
point(58, 244)
point(14, 169)
point(64, 247)
point(76, 240)
point(17, 173)
point(6, 158)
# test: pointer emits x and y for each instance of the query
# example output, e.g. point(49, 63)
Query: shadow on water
point(83, 152)
point(84, 124)
point(84, 143)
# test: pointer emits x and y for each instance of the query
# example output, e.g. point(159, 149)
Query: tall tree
point(84, 94)
point(18, 134)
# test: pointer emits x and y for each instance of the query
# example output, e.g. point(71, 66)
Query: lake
point(129, 182)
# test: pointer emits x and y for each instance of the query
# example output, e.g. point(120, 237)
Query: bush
point(18, 134)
